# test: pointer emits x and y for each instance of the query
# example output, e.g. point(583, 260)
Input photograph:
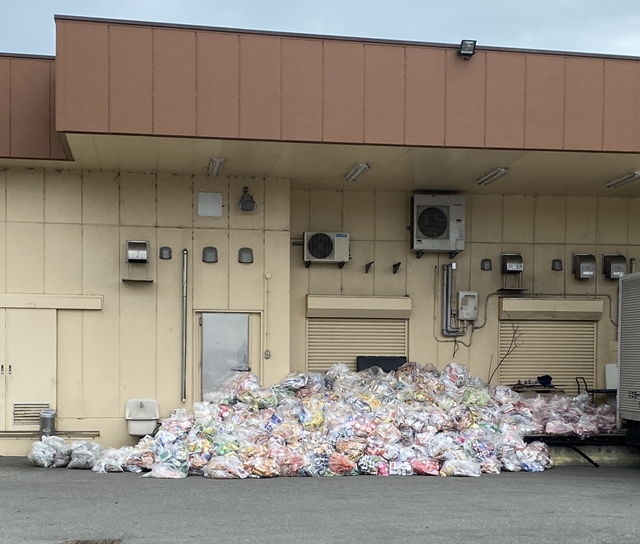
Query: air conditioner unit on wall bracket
point(438, 223)
point(326, 247)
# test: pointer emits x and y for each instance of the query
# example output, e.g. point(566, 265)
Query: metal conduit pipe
point(447, 288)
point(185, 254)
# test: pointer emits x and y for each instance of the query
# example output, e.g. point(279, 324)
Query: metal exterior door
point(225, 348)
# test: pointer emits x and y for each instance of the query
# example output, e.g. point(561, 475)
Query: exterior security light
point(247, 204)
point(467, 49)
point(245, 255)
point(492, 176)
point(556, 265)
point(165, 253)
point(632, 176)
point(215, 166)
point(486, 265)
point(357, 171)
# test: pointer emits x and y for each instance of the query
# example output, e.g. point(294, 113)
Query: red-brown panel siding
point(217, 84)
point(302, 90)
point(621, 101)
point(130, 80)
point(83, 77)
point(544, 113)
point(383, 94)
point(260, 87)
point(55, 147)
point(30, 109)
point(505, 100)
point(343, 92)
point(584, 104)
point(5, 107)
point(465, 100)
point(174, 82)
point(424, 107)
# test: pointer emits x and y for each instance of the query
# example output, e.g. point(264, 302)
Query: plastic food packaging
point(84, 455)
point(41, 455)
point(63, 450)
point(225, 467)
point(162, 471)
point(111, 460)
point(457, 467)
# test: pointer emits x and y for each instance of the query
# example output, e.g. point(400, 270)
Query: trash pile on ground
point(413, 421)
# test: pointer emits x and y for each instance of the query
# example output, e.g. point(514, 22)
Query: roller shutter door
point(331, 341)
point(562, 349)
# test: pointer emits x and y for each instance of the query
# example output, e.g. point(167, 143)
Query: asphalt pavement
point(567, 504)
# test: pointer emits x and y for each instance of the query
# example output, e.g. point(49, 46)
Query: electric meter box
point(467, 305)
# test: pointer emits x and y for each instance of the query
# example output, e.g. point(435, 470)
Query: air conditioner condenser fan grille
point(320, 246)
point(432, 222)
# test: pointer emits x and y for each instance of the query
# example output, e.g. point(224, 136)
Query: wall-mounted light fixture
point(467, 49)
point(209, 254)
point(632, 176)
point(165, 253)
point(215, 166)
point(486, 265)
point(357, 171)
point(245, 255)
point(247, 204)
point(556, 265)
point(492, 176)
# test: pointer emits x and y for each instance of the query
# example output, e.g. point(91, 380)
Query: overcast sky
point(594, 26)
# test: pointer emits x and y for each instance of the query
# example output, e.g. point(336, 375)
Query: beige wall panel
point(63, 259)
point(325, 211)
point(63, 196)
point(545, 280)
point(355, 281)
point(359, 215)
point(5, 411)
point(526, 250)
point(70, 365)
point(25, 257)
point(169, 316)
point(3, 195)
point(298, 326)
point(420, 283)
point(300, 213)
point(175, 200)
point(463, 273)
point(101, 330)
point(238, 219)
point(246, 281)
point(25, 195)
point(575, 286)
point(100, 198)
point(325, 279)
point(392, 216)
point(276, 204)
point(385, 282)
point(211, 280)
point(113, 432)
point(518, 219)
point(612, 221)
point(486, 218)
point(634, 221)
point(485, 282)
point(205, 184)
point(276, 316)
point(550, 217)
point(138, 199)
point(3, 258)
point(581, 219)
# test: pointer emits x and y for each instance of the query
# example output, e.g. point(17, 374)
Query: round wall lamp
point(247, 204)
point(486, 265)
point(556, 265)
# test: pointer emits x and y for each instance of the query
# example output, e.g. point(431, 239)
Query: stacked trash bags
point(416, 421)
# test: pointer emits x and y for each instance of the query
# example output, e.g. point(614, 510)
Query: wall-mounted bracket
point(420, 254)
point(396, 267)
point(307, 264)
point(341, 265)
point(367, 267)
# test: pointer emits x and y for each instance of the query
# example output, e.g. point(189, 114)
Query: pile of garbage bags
point(412, 421)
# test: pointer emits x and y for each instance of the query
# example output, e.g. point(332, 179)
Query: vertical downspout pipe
point(447, 280)
point(183, 384)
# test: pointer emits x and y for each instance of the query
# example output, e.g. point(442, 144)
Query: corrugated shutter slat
point(331, 341)
point(562, 349)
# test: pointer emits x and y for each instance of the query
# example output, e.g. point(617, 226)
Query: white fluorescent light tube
point(492, 176)
point(357, 171)
point(215, 166)
point(632, 176)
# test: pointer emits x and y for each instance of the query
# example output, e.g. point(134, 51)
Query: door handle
point(242, 369)
point(9, 369)
point(1, 369)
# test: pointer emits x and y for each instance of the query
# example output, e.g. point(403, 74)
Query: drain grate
point(118, 541)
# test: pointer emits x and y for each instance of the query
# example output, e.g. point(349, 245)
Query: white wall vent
point(28, 413)
point(326, 247)
point(438, 223)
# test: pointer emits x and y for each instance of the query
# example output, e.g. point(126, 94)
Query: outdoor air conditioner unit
point(438, 223)
point(326, 247)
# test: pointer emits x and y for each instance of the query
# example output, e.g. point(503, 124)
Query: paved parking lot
point(563, 505)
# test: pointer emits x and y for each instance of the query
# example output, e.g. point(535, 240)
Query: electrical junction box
point(467, 305)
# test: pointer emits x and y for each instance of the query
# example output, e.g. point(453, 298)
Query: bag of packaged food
point(457, 467)
point(111, 460)
point(62, 449)
point(162, 471)
point(84, 454)
point(41, 455)
point(262, 466)
point(341, 465)
point(425, 466)
point(225, 467)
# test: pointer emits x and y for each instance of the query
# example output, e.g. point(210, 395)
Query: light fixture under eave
point(215, 166)
point(467, 49)
point(357, 171)
point(492, 176)
point(247, 203)
point(631, 176)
